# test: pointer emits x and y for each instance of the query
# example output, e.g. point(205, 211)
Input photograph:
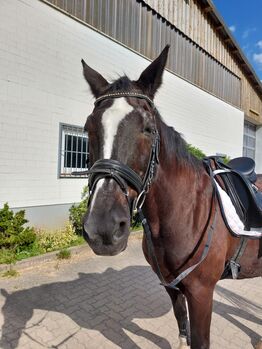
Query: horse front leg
point(200, 302)
point(180, 311)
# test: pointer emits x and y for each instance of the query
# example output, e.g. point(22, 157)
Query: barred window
point(74, 149)
point(249, 146)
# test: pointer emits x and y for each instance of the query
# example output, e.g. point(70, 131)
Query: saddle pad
point(232, 217)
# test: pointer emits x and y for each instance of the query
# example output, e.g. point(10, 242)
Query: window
point(73, 149)
point(249, 147)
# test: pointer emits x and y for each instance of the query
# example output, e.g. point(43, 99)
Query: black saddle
point(238, 178)
point(244, 165)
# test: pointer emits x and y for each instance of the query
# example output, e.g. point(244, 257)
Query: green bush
point(225, 159)
point(13, 235)
point(7, 256)
point(77, 211)
point(64, 254)
point(198, 153)
point(18, 242)
point(195, 151)
point(48, 241)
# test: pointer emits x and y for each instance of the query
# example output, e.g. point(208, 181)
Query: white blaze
point(111, 120)
point(98, 186)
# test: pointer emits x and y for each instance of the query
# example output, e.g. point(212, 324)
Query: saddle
point(238, 178)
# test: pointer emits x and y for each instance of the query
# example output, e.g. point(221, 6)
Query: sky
point(244, 19)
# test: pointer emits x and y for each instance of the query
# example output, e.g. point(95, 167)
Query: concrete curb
point(51, 256)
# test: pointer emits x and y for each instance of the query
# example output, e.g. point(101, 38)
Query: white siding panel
point(41, 85)
point(205, 121)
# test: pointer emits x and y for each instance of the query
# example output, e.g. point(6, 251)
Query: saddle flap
point(244, 196)
point(238, 184)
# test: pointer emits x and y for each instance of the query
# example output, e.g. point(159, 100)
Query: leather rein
point(125, 176)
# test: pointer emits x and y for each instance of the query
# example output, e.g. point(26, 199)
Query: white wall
point(205, 121)
point(41, 84)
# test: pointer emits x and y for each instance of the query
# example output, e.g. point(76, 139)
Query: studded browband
point(125, 94)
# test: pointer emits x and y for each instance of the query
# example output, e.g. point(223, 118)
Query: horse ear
point(151, 78)
point(95, 80)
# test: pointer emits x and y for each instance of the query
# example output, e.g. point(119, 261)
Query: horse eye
point(148, 129)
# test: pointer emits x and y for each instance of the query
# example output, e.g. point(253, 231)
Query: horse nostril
point(120, 229)
point(122, 224)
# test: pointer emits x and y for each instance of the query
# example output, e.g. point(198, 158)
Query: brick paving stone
point(115, 302)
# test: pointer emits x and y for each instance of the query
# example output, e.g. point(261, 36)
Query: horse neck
point(179, 200)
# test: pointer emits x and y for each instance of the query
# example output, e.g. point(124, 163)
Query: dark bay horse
point(128, 136)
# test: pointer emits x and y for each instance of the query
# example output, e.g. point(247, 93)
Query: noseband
point(121, 173)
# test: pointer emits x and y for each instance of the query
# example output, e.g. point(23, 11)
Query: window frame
point(249, 133)
point(70, 129)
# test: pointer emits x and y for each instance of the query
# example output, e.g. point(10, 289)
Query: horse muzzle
point(106, 235)
point(106, 247)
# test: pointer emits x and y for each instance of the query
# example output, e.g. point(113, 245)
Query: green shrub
point(77, 211)
point(195, 151)
point(64, 254)
point(48, 241)
point(7, 256)
point(225, 159)
point(13, 234)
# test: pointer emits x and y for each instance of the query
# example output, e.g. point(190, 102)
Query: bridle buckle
point(139, 201)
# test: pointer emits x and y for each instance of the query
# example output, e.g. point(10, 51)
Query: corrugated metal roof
point(235, 47)
point(226, 35)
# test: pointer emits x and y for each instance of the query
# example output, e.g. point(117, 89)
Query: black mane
point(176, 145)
point(123, 84)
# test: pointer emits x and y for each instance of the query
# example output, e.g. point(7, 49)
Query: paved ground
point(115, 302)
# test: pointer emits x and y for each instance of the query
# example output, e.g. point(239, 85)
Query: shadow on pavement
point(241, 307)
point(105, 302)
point(108, 302)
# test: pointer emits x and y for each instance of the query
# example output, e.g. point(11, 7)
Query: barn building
point(210, 92)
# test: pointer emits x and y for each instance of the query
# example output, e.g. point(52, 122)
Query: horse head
point(123, 145)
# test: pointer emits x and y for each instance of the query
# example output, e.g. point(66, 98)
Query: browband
point(125, 94)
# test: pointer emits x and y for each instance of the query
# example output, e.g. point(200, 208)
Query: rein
point(124, 176)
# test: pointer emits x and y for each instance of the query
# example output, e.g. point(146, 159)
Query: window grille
point(74, 150)
point(249, 146)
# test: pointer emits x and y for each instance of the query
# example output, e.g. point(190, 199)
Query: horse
point(138, 162)
point(259, 182)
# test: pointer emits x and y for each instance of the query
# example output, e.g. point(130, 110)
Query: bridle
point(125, 176)
point(121, 173)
